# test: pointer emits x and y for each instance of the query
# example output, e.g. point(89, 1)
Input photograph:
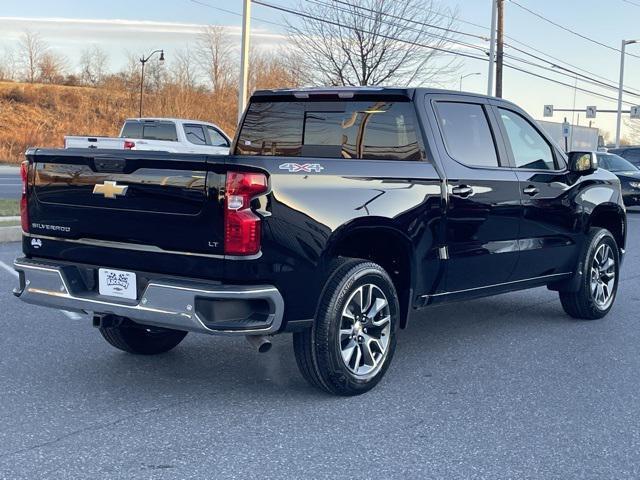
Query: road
point(505, 387)
point(10, 183)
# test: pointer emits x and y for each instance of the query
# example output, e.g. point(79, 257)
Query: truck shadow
point(206, 367)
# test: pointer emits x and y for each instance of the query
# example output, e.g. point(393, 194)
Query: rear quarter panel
point(307, 213)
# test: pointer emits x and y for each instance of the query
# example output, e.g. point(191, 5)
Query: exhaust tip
point(260, 343)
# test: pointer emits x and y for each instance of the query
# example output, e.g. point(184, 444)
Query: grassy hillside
point(41, 115)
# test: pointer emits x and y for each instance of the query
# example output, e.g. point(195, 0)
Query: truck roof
point(167, 119)
point(349, 92)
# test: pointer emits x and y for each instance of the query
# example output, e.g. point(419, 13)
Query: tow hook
point(259, 342)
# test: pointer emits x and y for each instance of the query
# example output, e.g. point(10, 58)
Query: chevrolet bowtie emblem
point(110, 189)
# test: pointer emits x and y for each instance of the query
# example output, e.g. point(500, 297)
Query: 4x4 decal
point(302, 167)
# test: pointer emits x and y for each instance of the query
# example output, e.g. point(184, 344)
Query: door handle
point(462, 191)
point(531, 191)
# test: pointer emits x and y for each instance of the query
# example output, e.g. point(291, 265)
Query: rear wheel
point(141, 339)
point(352, 342)
point(599, 282)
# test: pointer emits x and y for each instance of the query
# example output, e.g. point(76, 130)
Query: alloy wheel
point(603, 276)
point(365, 328)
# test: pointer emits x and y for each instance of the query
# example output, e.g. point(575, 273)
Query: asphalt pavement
point(10, 183)
point(503, 387)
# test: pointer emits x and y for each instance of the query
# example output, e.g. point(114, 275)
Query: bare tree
point(272, 70)
point(32, 49)
point(183, 69)
point(52, 67)
point(214, 51)
point(94, 63)
point(374, 42)
point(8, 65)
point(632, 136)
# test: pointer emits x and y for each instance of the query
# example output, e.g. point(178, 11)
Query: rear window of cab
point(150, 131)
point(357, 130)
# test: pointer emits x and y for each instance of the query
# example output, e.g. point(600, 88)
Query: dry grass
point(33, 115)
point(9, 208)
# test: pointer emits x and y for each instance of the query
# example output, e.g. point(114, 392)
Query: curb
point(10, 234)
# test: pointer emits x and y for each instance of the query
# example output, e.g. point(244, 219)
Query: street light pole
point(492, 46)
point(621, 89)
point(143, 61)
point(462, 77)
point(244, 58)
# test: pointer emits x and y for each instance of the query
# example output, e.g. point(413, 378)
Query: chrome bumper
point(172, 303)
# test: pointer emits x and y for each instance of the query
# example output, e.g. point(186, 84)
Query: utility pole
point(492, 46)
point(500, 48)
point(621, 89)
point(244, 58)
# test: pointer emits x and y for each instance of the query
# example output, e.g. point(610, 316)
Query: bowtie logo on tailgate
point(110, 189)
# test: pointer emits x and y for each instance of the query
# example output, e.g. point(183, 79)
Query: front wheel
point(352, 342)
point(599, 283)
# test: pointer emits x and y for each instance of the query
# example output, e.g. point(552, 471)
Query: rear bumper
point(181, 304)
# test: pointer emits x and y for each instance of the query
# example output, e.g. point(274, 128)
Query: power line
point(237, 14)
point(578, 34)
point(397, 17)
point(563, 70)
point(454, 52)
point(526, 45)
point(386, 22)
point(613, 82)
point(631, 3)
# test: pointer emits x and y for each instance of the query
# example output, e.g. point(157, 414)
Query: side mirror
point(582, 162)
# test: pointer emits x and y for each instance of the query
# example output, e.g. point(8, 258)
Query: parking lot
point(10, 183)
point(505, 387)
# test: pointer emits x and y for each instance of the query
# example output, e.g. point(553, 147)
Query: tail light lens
point(241, 225)
point(129, 145)
point(24, 212)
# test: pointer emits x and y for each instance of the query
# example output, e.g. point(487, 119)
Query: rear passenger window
point(467, 134)
point(530, 149)
point(160, 131)
point(195, 134)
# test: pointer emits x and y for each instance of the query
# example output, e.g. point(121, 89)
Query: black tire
point(583, 303)
point(131, 337)
point(319, 350)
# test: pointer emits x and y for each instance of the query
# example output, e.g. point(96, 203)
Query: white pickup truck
point(160, 134)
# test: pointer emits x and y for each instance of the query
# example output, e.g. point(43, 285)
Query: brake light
point(241, 225)
point(24, 212)
point(129, 145)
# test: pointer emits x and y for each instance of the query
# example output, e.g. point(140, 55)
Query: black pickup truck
point(340, 213)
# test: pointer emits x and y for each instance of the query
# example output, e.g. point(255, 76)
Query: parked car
point(628, 174)
point(341, 213)
point(161, 134)
point(630, 153)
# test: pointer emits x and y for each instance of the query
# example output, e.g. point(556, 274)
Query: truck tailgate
point(162, 201)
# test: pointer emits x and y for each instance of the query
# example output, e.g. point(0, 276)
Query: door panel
point(483, 212)
point(547, 244)
point(547, 232)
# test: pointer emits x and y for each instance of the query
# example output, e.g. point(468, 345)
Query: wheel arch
point(379, 241)
point(612, 217)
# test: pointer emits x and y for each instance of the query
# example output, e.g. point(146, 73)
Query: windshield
point(614, 163)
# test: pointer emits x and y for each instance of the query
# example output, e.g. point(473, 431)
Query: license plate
point(116, 283)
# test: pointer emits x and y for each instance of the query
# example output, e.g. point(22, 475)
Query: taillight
point(129, 145)
point(241, 225)
point(24, 212)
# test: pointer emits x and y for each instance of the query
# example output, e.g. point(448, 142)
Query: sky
point(124, 27)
